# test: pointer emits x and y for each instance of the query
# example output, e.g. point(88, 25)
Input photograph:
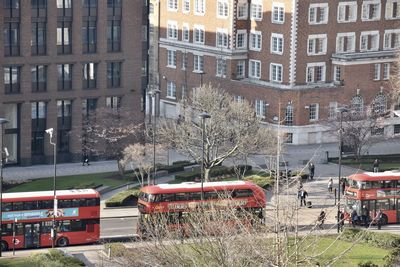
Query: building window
point(199, 7)
point(185, 33)
point(173, 5)
point(222, 9)
point(11, 39)
point(198, 63)
point(255, 69)
point(278, 13)
point(64, 76)
point(386, 71)
point(371, 10)
point(89, 36)
point(332, 112)
point(242, 10)
point(391, 39)
point(12, 79)
point(377, 72)
point(379, 104)
point(171, 90)
point(39, 78)
point(396, 129)
point(171, 58)
point(288, 138)
point(89, 8)
point(222, 38)
point(377, 130)
point(241, 39)
point(289, 115)
point(11, 8)
point(113, 102)
point(38, 38)
point(337, 74)
point(114, 74)
point(316, 72)
point(64, 37)
point(113, 35)
point(369, 41)
point(240, 69)
point(89, 75)
point(347, 12)
point(186, 6)
point(255, 40)
point(317, 44)
point(277, 43)
point(198, 36)
point(318, 13)
point(64, 113)
point(184, 61)
point(256, 10)
point(392, 9)
point(238, 98)
point(38, 116)
point(260, 108)
point(357, 103)
point(346, 42)
point(276, 72)
point(172, 30)
point(64, 3)
point(115, 8)
point(313, 112)
point(89, 106)
point(221, 67)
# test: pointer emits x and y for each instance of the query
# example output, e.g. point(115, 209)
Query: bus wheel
point(384, 219)
point(62, 242)
point(4, 246)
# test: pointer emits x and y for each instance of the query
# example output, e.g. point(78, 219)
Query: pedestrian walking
point(376, 165)
point(330, 185)
point(303, 196)
point(311, 168)
point(379, 217)
point(365, 216)
point(85, 160)
point(341, 220)
point(343, 184)
point(321, 219)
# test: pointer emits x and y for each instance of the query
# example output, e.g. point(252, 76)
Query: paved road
point(111, 227)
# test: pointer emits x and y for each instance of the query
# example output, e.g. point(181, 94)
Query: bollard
point(334, 192)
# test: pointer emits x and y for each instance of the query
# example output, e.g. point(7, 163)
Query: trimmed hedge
point(214, 172)
point(115, 249)
point(122, 198)
point(382, 240)
point(54, 257)
point(261, 181)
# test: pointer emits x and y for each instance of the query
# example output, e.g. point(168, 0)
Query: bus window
point(46, 226)
point(195, 196)
point(382, 204)
point(65, 203)
point(18, 206)
point(7, 206)
point(210, 195)
point(244, 193)
point(46, 204)
point(168, 197)
point(77, 225)
point(181, 196)
point(90, 202)
point(32, 205)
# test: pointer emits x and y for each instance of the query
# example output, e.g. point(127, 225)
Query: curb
point(119, 216)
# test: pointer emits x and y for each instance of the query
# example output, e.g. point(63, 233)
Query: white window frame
point(351, 5)
point(171, 90)
point(332, 110)
point(256, 10)
point(281, 10)
point(242, 64)
point(317, 7)
point(186, 6)
point(198, 63)
point(172, 30)
point(377, 72)
point(316, 112)
point(238, 98)
point(172, 5)
point(223, 36)
point(225, 8)
point(366, 8)
point(388, 39)
point(346, 35)
point(389, 9)
point(257, 64)
point(279, 38)
point(243, 5)
point(337, 74)
point(201, 30)
point(276, 66)
point(260, 107)
point(221, 72)
point(311, 67)
point(185, 32)
point(386, 71)
point(313, 38)
point(258, 37)
point(244, 34)
point(368, 35)
point(171, 58)
point(199, 7)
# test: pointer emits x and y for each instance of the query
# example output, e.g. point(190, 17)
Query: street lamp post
point(2, 122)
point(201, 78)
point(203, 116)
point(55, 208)
point(153, 93)
point(341, 111)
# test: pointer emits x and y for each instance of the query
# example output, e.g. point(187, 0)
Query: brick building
point(296, 61)
point(62, 59)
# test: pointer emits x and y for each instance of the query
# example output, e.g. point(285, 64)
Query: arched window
point(357, 103)
point(379, 104)
point(289, 115)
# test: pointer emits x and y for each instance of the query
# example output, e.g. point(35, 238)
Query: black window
point(38, 4)
point(11, 8)
point(64, 8)
point(113, 102)
point(31, 205)
point(12, 79)
point(89, 75)
point(181, 196)
point(38, 38)
point(211, 195)
point(89, 106)
point(7, 229)
point(168, 197)
point(397, 129)
point(89, 8)
point(6, 206)
point(39, 8)
point(195, 196)
point(242, 193)
point(89, 36)
point(114, 35)
point(18, 206)
point(64, 37)
point(113, 74)
point(114, 8)
point(39, 78)
point(64, 116)
point(46, 204)
point(11, 39)
point(46, 227)
point(64, 203)
point(64, 72)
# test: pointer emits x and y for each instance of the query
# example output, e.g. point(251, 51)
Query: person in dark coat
point(303, 196)
point(311, 168)
point(85, 160)
point(376, 165)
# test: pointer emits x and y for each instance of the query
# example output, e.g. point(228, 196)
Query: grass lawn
point(359, 253)
point(16, 262)
point(74, 181)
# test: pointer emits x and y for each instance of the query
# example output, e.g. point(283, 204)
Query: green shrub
point(122, 198)
point(54, 258)
point(115, 249)
point(263, 182)
point(183, 162)
point(393, 258)
point(367, 264)
point(217, 171)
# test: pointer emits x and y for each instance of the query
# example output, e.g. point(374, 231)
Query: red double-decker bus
point(29, 215)
point(178, 200)
point(376, 191)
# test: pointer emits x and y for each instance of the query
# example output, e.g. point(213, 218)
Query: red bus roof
point(376, 176)
point(196, 187)
point(43, 195)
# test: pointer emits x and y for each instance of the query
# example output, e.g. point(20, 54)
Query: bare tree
point(140, 158)
point(232, 129)
point(395, 85)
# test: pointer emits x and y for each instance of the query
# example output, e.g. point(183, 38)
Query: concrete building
point(295, 61)
point(60, 61)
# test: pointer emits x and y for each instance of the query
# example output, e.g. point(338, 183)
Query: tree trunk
point(206, 175)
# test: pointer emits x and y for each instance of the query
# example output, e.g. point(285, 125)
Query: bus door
point(398, 210)
point(32, 235)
